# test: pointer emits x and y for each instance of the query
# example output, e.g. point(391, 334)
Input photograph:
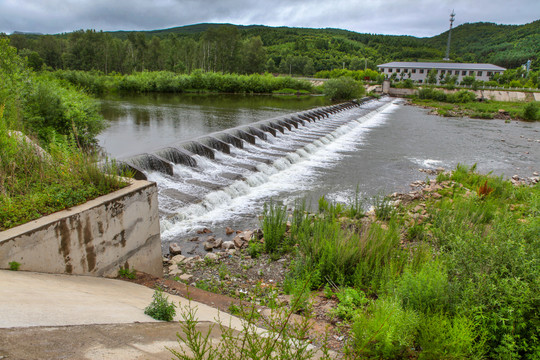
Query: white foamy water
point(291, 173)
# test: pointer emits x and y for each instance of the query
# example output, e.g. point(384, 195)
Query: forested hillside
point(256, 48)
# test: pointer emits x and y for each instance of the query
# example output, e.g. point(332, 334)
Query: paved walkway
point(49, 316)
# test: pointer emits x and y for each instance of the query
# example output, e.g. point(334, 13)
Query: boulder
point(174, 249)
point(204, 231)
point(185, 277)
point(175, 272)
point(196, 238)
point(212, 256)
point(212, 243)
point(229, 231)
point(177, 259)
point(227, 245)
point(239, 242)
point(208, 246)
point(246, 235)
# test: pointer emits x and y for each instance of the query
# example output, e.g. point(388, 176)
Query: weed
point(126, 273)
point(160, 308)
point(350, 300)
point(274, 226)
point(14, 266)
point(383, 207)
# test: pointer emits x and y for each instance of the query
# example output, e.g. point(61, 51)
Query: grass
point(481, 110)
point(460, 282)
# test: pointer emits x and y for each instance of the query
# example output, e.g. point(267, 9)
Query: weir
point(197, 176)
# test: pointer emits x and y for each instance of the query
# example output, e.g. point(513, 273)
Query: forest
point(256, 49)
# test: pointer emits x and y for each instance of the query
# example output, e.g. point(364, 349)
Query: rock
point(239, 242)
point(208, 246)
point(536, 173)
point(185, 277)
point(172, 268)
point(515, 177)
point(246, 235)
point(192, 250)
point(177, 259)
point(196, 238)
point(192, 259)
point(227, 245)
point(231, 251)
point(212, 256)
point(212, 243)
point(229, 231)
point(174, 249)
point(218, 242)
point(176, 272)
point(204, 231)
point(211, 239)
point(436, 195)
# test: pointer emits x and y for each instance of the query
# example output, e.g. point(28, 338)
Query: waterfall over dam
point(202, 176)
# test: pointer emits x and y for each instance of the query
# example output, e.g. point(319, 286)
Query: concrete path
point(49, 316)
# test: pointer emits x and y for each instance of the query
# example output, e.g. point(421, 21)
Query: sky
point(421, 18)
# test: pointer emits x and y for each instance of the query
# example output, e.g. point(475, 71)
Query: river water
point(376, 148)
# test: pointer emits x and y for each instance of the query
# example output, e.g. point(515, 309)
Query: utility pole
point(452, 16)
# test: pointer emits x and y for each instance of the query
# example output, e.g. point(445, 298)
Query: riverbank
point(489, 109)
point(414, 249)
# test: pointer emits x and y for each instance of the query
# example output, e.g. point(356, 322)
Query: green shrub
point(14, 266)
point(350, 300)
point(385, 330)
point(160, 308)
point(344, 88)
point(126, 273)
point(530, 111)
point(441, 337)
point(427, 290)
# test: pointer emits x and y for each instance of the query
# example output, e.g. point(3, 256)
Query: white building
point(418, 71)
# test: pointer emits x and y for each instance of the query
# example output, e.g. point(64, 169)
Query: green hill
point(257, 48)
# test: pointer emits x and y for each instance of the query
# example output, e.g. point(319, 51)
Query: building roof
point(441, 66)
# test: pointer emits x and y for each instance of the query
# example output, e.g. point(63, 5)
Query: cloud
point(398, 17)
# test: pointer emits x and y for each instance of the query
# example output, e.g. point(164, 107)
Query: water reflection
point(142, 123)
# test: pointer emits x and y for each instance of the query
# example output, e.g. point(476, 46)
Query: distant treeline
point(258, 49)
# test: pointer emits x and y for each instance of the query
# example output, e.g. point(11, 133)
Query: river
point(376, 148)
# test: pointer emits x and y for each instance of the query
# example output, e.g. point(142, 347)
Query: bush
point(160, 308)
point(345, 88)
point(385, 330)
point(350, 300)
point(530, 112)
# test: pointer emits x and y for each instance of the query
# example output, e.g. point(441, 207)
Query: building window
point(397, 70)
point(471, 73)
point(442, 72)
point(413, 71)
point(489, 73)
point(421, 71)
point(479, 73)
point(464, 73)
point(456, 72)
point(420, 81)
point(389, 70)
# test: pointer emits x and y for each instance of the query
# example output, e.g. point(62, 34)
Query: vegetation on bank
point(47, 130)
point(285, 50)
point(464, 103)
point(450, 271)
point(170, 82)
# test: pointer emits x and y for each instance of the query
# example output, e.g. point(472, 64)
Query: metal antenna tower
point(452, 17)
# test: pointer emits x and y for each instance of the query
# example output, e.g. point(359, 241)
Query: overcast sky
point(397, 17)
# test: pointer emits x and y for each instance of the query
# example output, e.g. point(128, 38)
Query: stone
point(196, 238)
point(218, 242)
point(172, 268)
point(211, 239)
point(231, 251)
point(174, 249)
point(246, 235)
point(204, 231)
point(208, 246)
point(239, 242)
point(536, 173)
point(185, 277)
point(212, 256)
point(227, 245)
point(177, 259)
point(229, 231)
point(175, 272)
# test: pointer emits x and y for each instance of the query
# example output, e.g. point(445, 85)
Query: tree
point(432, 77)
point(253, 55)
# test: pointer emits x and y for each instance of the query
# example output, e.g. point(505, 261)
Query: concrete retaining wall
point(97, 238)
point(497, 95)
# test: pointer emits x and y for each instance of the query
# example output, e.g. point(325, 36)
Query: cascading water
point(232, 185)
